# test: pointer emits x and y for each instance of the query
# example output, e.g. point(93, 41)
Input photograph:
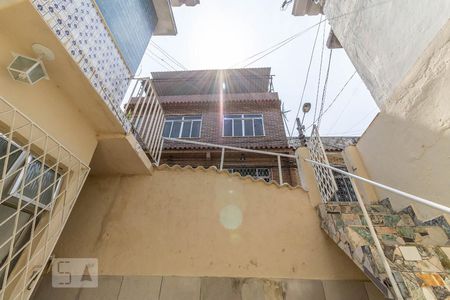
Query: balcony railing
point(39, 182)
point(146, 116)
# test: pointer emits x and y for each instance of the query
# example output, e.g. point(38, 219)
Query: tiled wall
point(131, 23)
point(80, 28)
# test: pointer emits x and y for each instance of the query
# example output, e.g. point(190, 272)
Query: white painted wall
point(385, 38)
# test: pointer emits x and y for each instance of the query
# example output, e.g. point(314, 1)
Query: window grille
point(243, 125)
point(182, 126)
point(39, 182)
point(263, 173)
point(345, 192)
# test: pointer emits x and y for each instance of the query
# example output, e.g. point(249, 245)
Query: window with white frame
point(34, 184)
point(243, 125)
point(182, 126)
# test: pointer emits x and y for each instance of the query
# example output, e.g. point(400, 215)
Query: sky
point(218, 34)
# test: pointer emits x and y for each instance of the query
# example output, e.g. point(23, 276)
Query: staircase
point(417, 252)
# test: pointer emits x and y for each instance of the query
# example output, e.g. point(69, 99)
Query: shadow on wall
point(196, 222)
point(408, 156)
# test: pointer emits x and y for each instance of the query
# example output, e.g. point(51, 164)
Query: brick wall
point(212, 123)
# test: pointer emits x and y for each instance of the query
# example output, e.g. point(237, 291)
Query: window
point(182, 126)
point(24, 183)
point(36, 176)
point(345, 192)
point(263, 173)
point(243, 125)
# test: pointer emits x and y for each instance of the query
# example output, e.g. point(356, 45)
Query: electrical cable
point(157, 61)
point(162, 59)
point(320, 75)
point(170, 57)
point(307, 77)
point(324, 92)
point(335, 98)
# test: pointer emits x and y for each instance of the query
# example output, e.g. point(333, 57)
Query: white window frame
point(183, 120)
point(19, 161)
point(18, 183)
point(243, 118)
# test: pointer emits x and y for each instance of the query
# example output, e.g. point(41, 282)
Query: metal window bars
point(263, 173)
point(146, 116)
point(40, 181)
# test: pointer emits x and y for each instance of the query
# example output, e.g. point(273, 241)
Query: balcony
point(89, 76)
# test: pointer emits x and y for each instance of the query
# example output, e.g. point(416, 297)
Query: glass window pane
point(12, 158)
point(252, 116)
point(186, 129)
point(167, 127)
point(227, 128)
point(196, 129)
point(248, 127)
point(32, 180)
point(176, 127)
point(237, 127)
point(258, 127)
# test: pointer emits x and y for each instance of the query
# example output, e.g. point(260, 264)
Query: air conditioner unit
point(27, 69)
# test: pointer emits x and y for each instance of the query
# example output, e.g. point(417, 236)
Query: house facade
point(236, 108)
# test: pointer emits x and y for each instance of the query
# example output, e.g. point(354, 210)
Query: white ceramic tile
point(410, 253)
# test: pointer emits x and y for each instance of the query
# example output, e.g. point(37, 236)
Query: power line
point(324, 92)
point(296, 35)
point(277, 46)
point(335, 98)
point(170, 57)
point(157, 61)
point(307, 76)
point(320, 75)
point(161, 59)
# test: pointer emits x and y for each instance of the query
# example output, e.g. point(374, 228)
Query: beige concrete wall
point(172, 223)
point(407, 146)
point(46, 104)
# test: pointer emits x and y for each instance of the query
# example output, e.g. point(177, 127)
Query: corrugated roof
point(216, 98)
point(261, 144)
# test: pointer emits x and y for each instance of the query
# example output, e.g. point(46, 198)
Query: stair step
point(418, 252)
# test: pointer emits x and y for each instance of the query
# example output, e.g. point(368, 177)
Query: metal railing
point(146, 116)
point(39, 183)
point(323, 169)
point(223, 148)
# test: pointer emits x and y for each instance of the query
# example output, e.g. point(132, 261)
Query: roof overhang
point(185, 2)
point(166, 22)
point(306, 7)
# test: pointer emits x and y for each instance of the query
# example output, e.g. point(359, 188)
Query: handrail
point(372, 231)
point(230, 147)
point(388, 188)
point(223, 147)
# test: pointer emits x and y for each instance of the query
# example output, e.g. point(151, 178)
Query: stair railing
point(377, 243)
point(223, 148)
